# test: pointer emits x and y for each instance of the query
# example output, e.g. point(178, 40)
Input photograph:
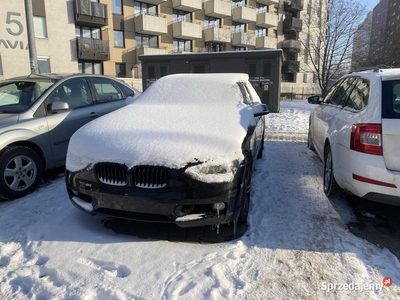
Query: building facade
point(107, 36)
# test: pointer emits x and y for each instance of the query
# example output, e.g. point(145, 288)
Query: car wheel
point(309, 139)
point(245, 195)
point(331, 188)
point(20, 172)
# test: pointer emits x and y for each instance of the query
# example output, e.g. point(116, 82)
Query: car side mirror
point(58, 106)
point(260, 109)
point(314, 100)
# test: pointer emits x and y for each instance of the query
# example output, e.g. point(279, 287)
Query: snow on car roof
point(179, 119)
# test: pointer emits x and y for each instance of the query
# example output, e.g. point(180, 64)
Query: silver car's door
point(63, 123)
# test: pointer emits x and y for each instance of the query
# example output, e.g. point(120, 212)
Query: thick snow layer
point(180, 119)
point(296, 247)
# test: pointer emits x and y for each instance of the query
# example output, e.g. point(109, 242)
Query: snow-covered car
point(355, 131)
point(38, 115)
point(182, 152)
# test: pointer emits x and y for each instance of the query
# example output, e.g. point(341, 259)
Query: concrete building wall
point(13, 39)
point(56, 46)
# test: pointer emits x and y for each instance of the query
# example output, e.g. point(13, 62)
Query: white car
point(355, 130)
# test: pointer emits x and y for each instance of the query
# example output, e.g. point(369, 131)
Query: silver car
point(39, 114)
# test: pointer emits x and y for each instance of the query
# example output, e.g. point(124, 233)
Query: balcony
point(186, 30)
point(216, 34)
point(145, 50)
point(187, 5)
point(293, 6)
point(292, 24)
point(153, 24)
point(244, 14)
point(266, 42)
point(243, 39)
point(89, 13)
point(268, 2)
point(266, 20)
point(292, 46)
point(218, 8)
point(92, 49)
point(154, 2)
point(290, 66)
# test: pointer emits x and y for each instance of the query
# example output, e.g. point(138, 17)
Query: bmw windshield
point(18, 96)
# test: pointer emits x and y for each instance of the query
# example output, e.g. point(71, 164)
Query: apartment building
point(107, 36)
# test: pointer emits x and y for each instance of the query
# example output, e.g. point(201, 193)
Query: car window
point(331, 92)
point(106, 90)
point(17, 96)
point(391, 99)
point(342, 92)
point(127, 91)
point(359, 95)
point(75, 92)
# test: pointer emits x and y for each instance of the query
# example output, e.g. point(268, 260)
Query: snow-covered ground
point(296, 247)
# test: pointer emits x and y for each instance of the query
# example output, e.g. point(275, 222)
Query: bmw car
point(182, 152)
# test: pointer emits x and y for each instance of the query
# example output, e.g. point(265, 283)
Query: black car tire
point(20, 171)
point(244, 194)
point(309, 139)
point(331, 188)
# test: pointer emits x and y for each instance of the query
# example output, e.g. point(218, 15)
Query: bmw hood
point(172, 136)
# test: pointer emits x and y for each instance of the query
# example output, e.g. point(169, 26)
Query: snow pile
point(296, 246)
point(180, 119)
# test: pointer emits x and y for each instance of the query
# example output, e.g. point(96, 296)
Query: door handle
point(93, 115)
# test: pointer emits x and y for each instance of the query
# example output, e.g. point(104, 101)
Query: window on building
point(120, 69)
point(261, 8)
point(119, 40)
point(288, 77)
point(43, 65)
point(39, 24)
point(236, 3)
point(1, 67)
point(275, 10)
point(146, 41)
point(275, 33)
point(304, 78)
point(90, 68)
point(211, 22)
point(117, 7)
point(306, 52)
point(87, 32)
point(315, 78)
point(180, 15)
point(238, 27)
point(261, 31)
point(145, 8)
point(180, 45)
point(237, 48)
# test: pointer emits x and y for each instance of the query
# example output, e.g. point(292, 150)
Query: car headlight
point(211, 172)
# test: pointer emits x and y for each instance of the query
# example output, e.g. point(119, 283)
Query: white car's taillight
point(366, 138)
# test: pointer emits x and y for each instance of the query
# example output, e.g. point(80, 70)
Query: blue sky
point(370, 4)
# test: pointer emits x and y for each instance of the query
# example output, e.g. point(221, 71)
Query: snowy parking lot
point(297, 245)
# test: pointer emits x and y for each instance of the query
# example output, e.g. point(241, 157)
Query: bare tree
point(329, 53)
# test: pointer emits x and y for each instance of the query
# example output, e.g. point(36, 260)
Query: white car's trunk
point(391, 143)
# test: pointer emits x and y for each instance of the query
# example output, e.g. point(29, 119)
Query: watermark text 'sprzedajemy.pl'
point(356, 286)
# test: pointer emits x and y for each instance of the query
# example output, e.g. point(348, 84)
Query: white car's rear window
point(391, 99)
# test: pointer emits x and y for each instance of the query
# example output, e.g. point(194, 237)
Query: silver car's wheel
point(21, 171)
point(331, 188)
